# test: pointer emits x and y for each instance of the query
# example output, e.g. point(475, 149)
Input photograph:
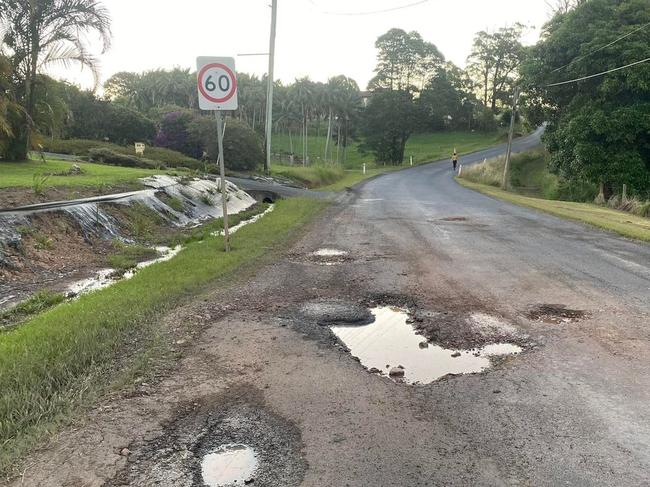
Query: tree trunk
point(329, 134)
point(338, 144)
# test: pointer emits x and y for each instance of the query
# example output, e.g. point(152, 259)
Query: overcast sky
point(149, 34)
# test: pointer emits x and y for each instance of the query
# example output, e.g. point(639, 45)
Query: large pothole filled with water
point(391, 346)
point(219, 442)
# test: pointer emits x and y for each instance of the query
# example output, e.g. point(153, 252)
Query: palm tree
point(9, 109)
point(45, 32)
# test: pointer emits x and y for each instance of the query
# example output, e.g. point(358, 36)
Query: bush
point(108, 156)
point(174, 133)
point(81, 147)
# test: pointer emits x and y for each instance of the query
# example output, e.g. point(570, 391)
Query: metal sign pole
point(222, 171)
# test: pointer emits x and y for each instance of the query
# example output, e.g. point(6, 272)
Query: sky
point(313, 39)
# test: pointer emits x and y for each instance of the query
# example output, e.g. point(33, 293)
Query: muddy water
point(390, 343)
point(229, 465)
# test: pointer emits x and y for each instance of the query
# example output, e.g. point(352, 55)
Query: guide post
point(217, 88)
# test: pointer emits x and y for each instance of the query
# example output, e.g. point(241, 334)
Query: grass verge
point(57, 173)
point(616, 221)
point(68, 356)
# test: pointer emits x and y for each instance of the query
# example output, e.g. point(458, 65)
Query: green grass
point(65, 357)
point(329, 177)
point(313, 176)
point(620, 222)
point(34, 305)
point(423, 147)
point(23, 174)
point(128, 256)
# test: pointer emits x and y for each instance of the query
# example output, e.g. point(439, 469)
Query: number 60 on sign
point(217, 83)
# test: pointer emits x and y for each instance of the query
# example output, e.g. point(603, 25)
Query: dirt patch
point(555, 314)
point(52, 250)
point(239, 417)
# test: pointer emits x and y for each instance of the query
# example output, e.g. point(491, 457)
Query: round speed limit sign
point(217, 83)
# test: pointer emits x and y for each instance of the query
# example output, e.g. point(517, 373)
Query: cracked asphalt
point(571, 410)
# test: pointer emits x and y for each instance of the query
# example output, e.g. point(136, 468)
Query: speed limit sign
point(217, 83)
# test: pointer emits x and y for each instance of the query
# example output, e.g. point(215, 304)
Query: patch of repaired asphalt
point(555, 314)
point(175, 458)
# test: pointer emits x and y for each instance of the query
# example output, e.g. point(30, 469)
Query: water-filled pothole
point(233, 464)
point(391, 346)
point(328, 256)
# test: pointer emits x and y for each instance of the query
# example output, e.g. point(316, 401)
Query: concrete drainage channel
point(385, 341)
point(218, 442)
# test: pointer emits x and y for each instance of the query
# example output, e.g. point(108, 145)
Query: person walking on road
point(454, 159)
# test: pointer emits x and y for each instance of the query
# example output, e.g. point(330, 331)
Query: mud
point(175, 458)
point(330, 312)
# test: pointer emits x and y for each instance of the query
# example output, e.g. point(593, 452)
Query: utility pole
point(269, 93)
point(511, 134)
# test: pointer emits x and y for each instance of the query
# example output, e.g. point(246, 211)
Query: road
point(572, 409)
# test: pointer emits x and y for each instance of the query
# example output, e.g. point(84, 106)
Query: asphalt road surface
point(572, 409)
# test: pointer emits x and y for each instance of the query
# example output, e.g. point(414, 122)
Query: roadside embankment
point(620, 222)
point(69, 356)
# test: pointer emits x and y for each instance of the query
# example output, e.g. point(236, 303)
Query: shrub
point(81, 147)
point(174, 133)
point(108, 156)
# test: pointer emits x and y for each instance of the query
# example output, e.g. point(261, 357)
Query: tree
point(447, 100)
point(242, 147)
point(494, 63)
point(404, 61)
point(44, 32)
point(389, 120)
point(598, 129)
point(11, 115)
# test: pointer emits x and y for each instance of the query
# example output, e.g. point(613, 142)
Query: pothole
point(455, 219)
point(329, 256)
point(555, 314)
point(225, 440)
point(332, 312)
point(233, 464)
point(391, 346)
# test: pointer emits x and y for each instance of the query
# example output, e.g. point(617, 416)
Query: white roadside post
point(411, 160)
point(364, 168)
point(217, 88)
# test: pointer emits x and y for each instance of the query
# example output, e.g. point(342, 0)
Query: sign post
point(217, 88)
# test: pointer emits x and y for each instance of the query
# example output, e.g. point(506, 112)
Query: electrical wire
point(602, 48)
point(598, 74)
point(372, 12)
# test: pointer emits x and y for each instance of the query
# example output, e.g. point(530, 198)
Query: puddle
point(392, 347)
point(329, 253)
point(233, 464)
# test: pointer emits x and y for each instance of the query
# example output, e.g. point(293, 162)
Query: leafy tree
point(11, 115)
point(494, 63)
point(44, 32)
point(404, 62)
point(447, 100)
point(389, 120)
point(598, 129)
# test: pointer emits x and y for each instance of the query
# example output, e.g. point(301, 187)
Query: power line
point(372, 12)
point(602, 48)
point(598, 74)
